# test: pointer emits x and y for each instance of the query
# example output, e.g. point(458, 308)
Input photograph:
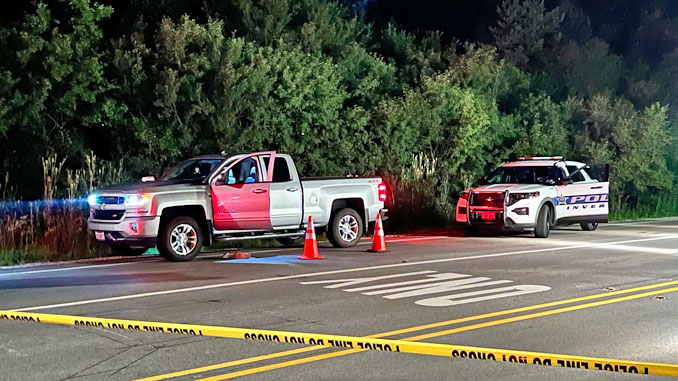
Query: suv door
point(286, 193)
point(586, 199)
point(241, 197)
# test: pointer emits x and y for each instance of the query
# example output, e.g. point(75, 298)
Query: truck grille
point(110, 200)
point(491, 199)
point(108, 215)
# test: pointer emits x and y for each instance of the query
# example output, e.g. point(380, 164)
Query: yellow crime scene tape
point(353, 342)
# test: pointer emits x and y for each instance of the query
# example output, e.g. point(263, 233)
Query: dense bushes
point(319, 81)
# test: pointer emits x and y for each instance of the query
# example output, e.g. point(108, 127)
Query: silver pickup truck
point(232, 197)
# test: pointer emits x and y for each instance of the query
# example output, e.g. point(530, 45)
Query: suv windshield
point(525, 175)
point(191, 170)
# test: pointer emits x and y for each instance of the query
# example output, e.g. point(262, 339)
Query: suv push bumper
point(501, 222)
point(133, 232)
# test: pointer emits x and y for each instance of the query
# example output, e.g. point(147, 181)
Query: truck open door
point(241, 195)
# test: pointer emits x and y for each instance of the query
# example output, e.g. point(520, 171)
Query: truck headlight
point(136, 199)
point(92, 199)
point(515, 197)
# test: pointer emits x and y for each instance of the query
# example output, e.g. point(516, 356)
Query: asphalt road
point(353, 292)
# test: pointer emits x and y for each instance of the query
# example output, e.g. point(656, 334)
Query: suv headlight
point(136, 199)
point(515, 197)
point(92, 199)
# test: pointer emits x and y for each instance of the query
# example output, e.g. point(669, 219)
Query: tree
point(543, 128)
point(524, 28)
point(52, 84)
point(606, 130)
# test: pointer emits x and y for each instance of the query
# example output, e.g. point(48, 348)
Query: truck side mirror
point(148, 179)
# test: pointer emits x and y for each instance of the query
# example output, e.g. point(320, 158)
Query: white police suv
point(536, 193)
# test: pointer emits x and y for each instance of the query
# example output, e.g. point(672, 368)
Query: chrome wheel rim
point(348, 228)
point(183, 239)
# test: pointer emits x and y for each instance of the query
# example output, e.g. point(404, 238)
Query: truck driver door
point(241, 196)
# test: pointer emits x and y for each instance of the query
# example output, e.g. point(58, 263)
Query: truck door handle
point(258, 191)
point(598, 187)
point(292, 189)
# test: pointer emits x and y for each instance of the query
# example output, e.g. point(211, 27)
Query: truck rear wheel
point(543, 227)
point(180, 239)
point(345, 229)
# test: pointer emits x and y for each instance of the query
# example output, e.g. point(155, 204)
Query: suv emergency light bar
point(540, 158)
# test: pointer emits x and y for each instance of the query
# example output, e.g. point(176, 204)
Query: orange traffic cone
point(311, 244)
point(379, 241)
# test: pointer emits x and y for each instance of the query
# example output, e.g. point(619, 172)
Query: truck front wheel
point(345, 229)
point(180, 239)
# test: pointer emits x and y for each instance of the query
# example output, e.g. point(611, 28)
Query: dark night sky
point(613, 20)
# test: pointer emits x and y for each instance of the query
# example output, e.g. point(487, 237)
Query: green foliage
point(544, 128)
point(633, 142)
point(52, 82)
point(524, 28)
point(589, 70)
point(315, 79)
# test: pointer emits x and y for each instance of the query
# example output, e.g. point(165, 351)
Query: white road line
point(365, 242)
point(647, 225)
point(331, 272)
point(66, 269)
point(127, 263)
point(620, 247)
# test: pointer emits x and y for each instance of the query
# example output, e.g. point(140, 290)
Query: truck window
point(281, 172)
point(243, 172)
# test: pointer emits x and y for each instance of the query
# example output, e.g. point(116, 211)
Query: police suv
point(536, 193)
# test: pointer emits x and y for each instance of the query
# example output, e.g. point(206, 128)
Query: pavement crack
point(74, 375)
point(135, 361)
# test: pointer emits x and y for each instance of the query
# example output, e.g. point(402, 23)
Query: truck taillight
point(382, 192)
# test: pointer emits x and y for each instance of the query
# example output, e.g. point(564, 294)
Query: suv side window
point(243, 172)
point(577, 177)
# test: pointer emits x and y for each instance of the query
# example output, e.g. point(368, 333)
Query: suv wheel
point(180, 239)
point(543, 227)
point(589, 226)
point(345, 229)
point(127, 251)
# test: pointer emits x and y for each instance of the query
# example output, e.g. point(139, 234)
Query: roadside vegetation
point(92, 94)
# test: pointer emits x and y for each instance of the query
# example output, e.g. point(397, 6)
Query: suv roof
point(542, 163)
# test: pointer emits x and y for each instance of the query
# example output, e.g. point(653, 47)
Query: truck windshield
point(524, 175)
point(191, 170)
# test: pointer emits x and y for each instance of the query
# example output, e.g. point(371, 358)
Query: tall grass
point(53, 229)
point(654, 206)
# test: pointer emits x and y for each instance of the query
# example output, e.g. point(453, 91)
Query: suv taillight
point(382, 192)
